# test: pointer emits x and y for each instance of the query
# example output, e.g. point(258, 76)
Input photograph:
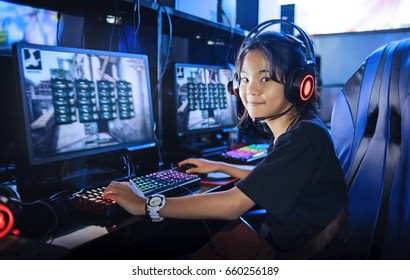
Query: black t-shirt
point(300, 184)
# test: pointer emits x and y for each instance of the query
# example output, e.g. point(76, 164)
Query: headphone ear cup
point(233, 86)
point(236, 84)
point(9, 210)
point(300, 85)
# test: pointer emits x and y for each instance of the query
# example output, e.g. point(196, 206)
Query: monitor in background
point(328, 95)
point(21, 23)
point(203, 103)
point(80, 102)
point(201, 114)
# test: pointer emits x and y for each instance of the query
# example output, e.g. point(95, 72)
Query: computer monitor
point(22, 23)
point(203, 103)
point(80, 102)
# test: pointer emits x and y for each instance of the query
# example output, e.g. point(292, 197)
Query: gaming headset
point(300, 83)
point(9, 209)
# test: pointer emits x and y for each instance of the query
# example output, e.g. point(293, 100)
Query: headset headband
point(310, 56)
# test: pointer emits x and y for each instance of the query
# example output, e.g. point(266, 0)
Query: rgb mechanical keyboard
point(246, 154)
point(168, 182)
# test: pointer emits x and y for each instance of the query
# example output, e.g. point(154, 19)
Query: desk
point(84, 236)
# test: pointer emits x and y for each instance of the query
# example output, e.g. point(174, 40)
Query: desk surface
point(85, 236)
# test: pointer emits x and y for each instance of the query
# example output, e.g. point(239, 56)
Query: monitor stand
point(79, 173)
point(73, 174)
point(208, 145)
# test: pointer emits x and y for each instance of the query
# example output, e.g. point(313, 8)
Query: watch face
point(155, 201)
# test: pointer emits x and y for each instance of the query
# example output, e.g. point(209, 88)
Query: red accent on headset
point(234, 91)
point(307, 87)
point(7, 222)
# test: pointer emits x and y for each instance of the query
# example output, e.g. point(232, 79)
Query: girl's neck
point(283, 124)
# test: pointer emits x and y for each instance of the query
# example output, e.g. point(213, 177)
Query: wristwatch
point(154, 204)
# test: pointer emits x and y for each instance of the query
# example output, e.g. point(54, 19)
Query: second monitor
point(199, 111)
point(203, 103)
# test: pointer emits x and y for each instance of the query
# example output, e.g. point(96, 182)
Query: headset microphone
point(274, 117)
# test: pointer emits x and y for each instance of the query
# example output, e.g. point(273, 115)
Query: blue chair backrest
point(370, 128)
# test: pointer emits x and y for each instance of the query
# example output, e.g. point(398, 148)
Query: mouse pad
point(217, 178)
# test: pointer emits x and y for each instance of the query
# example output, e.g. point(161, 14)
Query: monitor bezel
point(201, 131)
point(28, 155)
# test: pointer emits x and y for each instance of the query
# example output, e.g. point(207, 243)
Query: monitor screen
point(79, 102)
point(21, 23)
point(203, 102)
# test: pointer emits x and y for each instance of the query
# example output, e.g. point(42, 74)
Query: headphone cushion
point(233, 86)
point(300, 84)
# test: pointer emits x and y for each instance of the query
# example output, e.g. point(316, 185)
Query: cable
point(58, 27)
point(126, 165)
point(114, 24)
point(133, 170)
point(57, 195)
point(129, 164)
point(160, 159)
point(136, 27)
point(49, 207)
point(168, 49)
point(161, 163)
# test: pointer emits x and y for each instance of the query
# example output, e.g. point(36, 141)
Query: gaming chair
point(370, 127)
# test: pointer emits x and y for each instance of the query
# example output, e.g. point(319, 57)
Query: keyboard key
point(246, 154)
point(168, 182)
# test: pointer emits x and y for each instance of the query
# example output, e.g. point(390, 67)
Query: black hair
point(285, 53)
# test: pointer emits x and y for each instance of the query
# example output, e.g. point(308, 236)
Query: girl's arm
point(227, 205)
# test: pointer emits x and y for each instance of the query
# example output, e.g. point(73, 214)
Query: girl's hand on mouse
point(200, 165)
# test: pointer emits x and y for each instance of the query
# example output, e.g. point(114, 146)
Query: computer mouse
point(185, 167)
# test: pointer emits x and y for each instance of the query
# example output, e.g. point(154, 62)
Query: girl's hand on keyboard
point(127, 195)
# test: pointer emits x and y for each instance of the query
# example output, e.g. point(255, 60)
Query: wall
point(343, 53)
point(268, 9)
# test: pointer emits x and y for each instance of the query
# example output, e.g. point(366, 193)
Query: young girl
point(299, 183)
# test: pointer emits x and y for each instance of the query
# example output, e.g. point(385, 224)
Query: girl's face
point(261, 96)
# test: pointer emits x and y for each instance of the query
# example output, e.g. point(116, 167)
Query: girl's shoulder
point(312, 128)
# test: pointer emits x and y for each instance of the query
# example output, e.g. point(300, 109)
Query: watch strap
point(153, 212)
